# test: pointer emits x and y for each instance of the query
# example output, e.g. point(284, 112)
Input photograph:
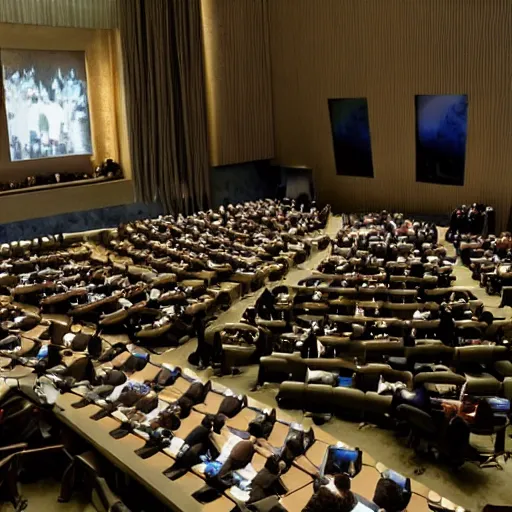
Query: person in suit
point(333, 495)
point(263, 483)
point(389, 496)
point(202, 357)
point(195, 444)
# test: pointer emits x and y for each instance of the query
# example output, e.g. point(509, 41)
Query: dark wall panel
point(351, 137)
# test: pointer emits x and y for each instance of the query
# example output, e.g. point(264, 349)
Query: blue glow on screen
point(441, 131)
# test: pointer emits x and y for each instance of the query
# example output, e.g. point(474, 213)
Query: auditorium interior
point(255, 255)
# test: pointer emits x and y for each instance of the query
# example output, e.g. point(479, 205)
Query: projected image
point(351, 136)
point(441, 129)
point(46, 103)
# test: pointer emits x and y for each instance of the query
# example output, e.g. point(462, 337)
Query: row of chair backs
point(325, 399)
point(367, 378)
point(280, 366)
point(303, 292)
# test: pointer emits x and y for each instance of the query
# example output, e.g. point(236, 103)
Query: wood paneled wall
point(388, 51)
point(237, 65)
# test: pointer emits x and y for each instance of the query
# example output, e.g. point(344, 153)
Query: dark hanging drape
point(165, 93)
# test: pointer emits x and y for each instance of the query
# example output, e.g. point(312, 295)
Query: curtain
point(165, 94)
point(61, 13)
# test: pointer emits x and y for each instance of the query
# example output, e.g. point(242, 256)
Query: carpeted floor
point(42, 497)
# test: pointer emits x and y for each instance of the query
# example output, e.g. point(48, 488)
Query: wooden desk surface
point(121, 454)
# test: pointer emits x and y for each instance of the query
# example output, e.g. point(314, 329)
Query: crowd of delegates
point(388, 280)
point(223, 454)
point(402, 248)
point(228, 453)
point(144, 286)
point(380, 256)
point(141, 284)
point(155, 402)
point(46, 117)
point(475, 219)
point(489, 259)
point(160, 278)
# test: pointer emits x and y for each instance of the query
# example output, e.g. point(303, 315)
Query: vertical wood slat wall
point(239, 97)
point(388, 51)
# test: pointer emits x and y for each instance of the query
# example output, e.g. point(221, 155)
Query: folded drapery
point(166, 109)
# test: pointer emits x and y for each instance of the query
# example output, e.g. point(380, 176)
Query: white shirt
point(361, 508)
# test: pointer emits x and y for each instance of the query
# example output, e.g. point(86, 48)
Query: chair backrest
point(401, 311)
point(483, 354)
point(377, 350)
point(446, 377)
point(366, 378)
point(425, 328)
point(402, 295)
point(341, 343)
point(348, 401)
point(279, 367)
point(108, 499)
point(291, 395)
point(329, 365)
point(318, 398)
point(429, 353)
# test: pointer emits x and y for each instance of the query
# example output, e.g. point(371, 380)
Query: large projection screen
point(46, 103)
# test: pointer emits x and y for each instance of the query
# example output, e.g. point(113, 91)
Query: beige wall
point(47, 201)
point(389, 51)
point(237, 63)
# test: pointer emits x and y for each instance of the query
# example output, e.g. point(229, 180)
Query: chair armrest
point(12, 448)
point(53, 448)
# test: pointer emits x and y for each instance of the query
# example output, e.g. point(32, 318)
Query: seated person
point(263, 483)
point(231, 405)
point(341, 459)
point(419, 397)
point(296, 444)
point(325, 499)
point(310, 347)
point(195, 394)
point(390, 496)
point(195, 444)
point(220, 472)
point(334, 494)
point(480, 412)
point(265, 305)
point(261, 426)
point(125, 398)
point(321, 377)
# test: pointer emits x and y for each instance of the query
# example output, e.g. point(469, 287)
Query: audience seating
point(381, 320)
